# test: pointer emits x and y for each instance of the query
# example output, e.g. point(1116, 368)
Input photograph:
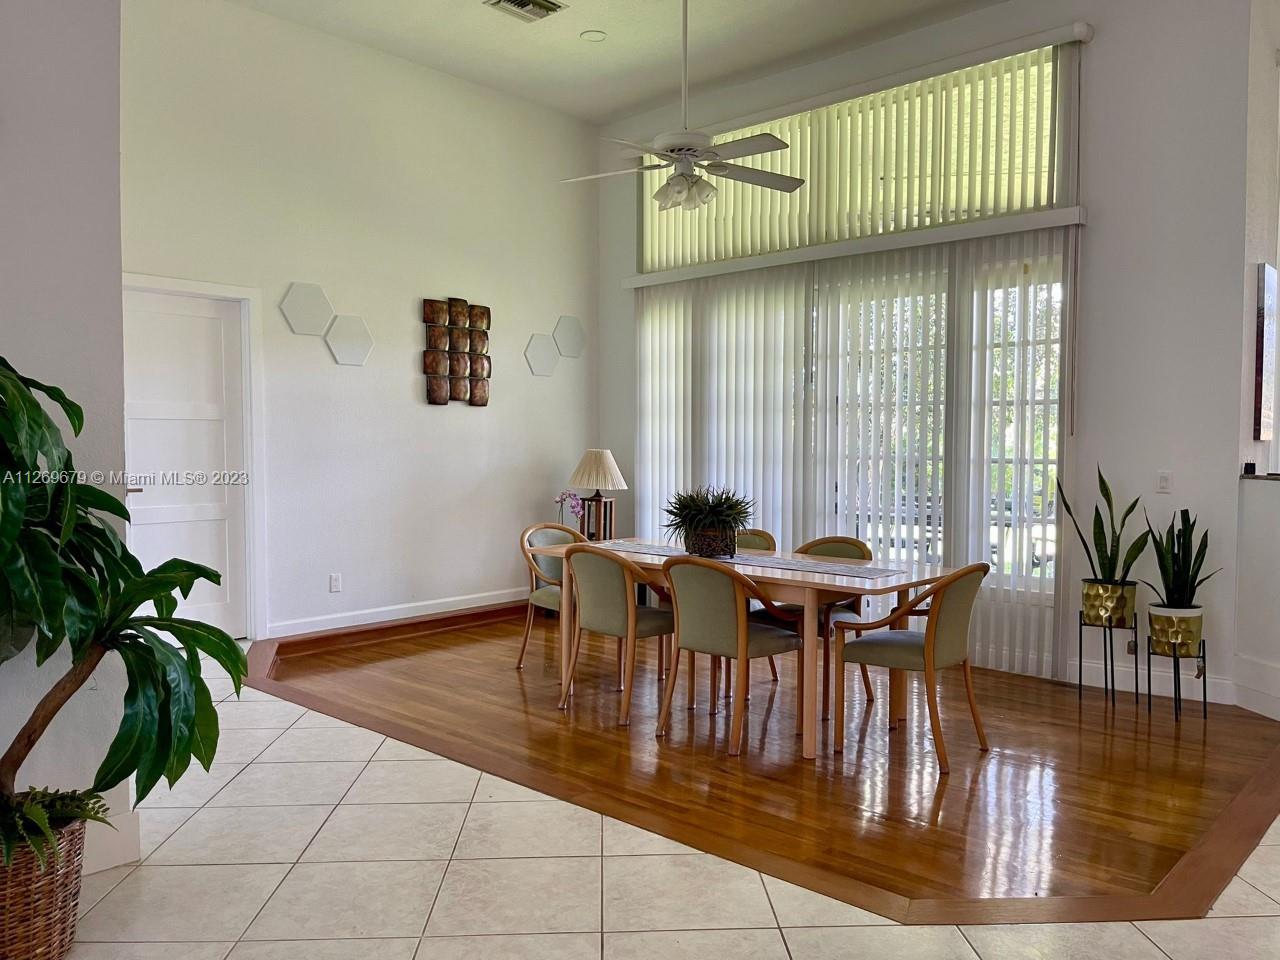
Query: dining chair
point(545, 573)
point(604, 597)
point(944, 642)
point(847, 548)
point(753, 538)
point(710, 601)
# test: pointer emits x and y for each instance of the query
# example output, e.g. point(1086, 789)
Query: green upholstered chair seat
point(546, 597)
point(652, 622)
point(900, 649)
point(751, 541)
point(763, 640)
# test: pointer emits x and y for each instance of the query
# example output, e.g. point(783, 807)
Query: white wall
point(257, 152)
point(1163, 276)
point(60, 277)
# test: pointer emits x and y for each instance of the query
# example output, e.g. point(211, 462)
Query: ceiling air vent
point(527, 10)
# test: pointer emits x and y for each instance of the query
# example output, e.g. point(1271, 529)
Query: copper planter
point(711, 543)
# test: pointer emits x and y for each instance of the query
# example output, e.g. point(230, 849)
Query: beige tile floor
point(312, 839)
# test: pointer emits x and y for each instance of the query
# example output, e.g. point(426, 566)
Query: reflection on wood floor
point(1077, 812)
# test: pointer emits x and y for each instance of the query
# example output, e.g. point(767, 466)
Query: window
point(975, 143)
point(910, 399)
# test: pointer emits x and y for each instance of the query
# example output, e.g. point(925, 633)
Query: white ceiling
point(639, 63)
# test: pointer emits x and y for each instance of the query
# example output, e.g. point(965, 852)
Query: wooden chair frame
point(536, 574)
point(913, 608)
point(854, 604)
point(762, 534)
point(633, 576)
point(744, 590)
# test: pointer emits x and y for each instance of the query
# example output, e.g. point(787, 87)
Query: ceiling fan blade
point(748, 146)
point(643, 149)
point(759, 178)
point(616, 173)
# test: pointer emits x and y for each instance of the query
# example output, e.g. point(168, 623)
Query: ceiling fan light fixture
point(686, 190)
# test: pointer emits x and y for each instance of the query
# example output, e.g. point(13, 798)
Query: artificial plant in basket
point(708, 519)
point(68, 581)
point(1108, 598)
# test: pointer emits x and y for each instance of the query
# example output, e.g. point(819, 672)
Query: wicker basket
point(38, 908)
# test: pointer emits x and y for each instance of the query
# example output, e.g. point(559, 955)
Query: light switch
point(1164, 482)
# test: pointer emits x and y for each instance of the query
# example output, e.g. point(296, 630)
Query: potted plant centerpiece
point(1177, 621)
point(67, 581)
point(708, 519)
point(1109, 597)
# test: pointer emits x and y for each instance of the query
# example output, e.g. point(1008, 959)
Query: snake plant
point(1106, 559)
point(1180, 566)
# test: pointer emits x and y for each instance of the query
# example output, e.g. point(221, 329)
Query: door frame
point(253, 406)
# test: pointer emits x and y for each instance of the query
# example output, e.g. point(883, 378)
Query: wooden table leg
point(809, 658)
point(566, 622)
point(898, 678)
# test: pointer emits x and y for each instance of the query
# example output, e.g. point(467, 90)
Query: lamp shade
point(597, 470)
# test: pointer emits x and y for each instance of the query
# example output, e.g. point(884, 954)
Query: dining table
point(807, 581)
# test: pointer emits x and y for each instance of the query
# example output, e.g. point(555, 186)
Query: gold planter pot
point(1105, 604)
point(1174, 628)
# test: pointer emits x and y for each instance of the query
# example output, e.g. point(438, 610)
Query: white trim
point(255, 442)
point(1077, 32)
point(1221, 689)
point(395, 611)
point(927, 237)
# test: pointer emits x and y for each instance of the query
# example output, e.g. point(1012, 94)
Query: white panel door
point(185, 444)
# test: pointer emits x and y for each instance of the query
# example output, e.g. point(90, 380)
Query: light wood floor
point(1077, 813)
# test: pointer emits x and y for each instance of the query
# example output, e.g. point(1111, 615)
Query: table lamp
point(597, 470)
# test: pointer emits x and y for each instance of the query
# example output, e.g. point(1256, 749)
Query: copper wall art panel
point(456, 361)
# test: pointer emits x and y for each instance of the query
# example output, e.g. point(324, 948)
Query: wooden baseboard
point(265, 654)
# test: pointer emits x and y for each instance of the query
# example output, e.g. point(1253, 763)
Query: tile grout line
point(240, 939)
point(965, 937)
point(1259, 889)
point(1142, 933)
point(422, 933)
point(774, 910)
point(601, 941)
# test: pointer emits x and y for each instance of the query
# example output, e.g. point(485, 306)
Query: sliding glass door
point(910, 399)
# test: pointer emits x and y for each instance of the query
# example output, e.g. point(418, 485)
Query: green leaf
point(13, 508)
point(206, 638)
point(141, 711)
point(34, 574)
point(16, 630)
point(1135, 551)
point(100, 500)
point(182, 702)
point(1088, 553)
point(1106, 561)
point(204, 731)
point(70, 409)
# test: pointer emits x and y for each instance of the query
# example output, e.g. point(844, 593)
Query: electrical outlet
point(1164, 482)
point(335, 583)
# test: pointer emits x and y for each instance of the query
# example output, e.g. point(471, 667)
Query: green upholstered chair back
point(550, 568)
point(707, 609)
point(849, 548)
point(953, 607)
point(756, 540)
point(602, 593)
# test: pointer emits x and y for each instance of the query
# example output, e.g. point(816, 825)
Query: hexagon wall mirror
point(349, 341)
point(570, 338)
point(541, 355)
point(307, 309)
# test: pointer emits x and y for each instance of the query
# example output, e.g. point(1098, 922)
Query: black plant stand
point(1202, 671)
point(1109, 660)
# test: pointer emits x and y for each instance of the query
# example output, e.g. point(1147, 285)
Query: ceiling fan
point(690, 154)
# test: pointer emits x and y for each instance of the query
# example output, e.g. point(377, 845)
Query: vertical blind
point(911, 399)
point(980, 142)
